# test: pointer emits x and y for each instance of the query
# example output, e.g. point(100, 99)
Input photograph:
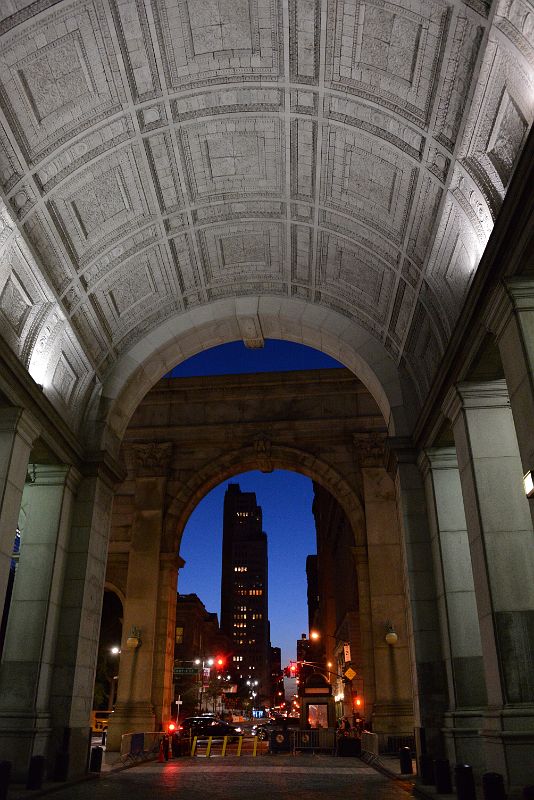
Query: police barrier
point(314, 739)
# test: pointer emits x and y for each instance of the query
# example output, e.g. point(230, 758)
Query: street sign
point(346, 652)
point(349, 673)
point(185, 671)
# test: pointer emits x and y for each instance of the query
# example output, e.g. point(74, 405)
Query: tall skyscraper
point(244, 596)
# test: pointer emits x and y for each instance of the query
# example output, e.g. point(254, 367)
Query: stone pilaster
point(81, 609)
point(137, 687)
point(162, 695)
point(18, 431)
point(31, 636)
point(366, 630)
point(500, 540)
point(428, 669)
point(510, 316)
point(460, 633)
point(393, 702)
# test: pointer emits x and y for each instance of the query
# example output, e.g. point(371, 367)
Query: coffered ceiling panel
point(158, 155)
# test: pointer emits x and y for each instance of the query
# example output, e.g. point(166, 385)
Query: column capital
point(510, 296)
point(475, 395)
point(101, 464)
point(434, 458)
point(14, 419)
point(399, 450)
point(369, 448)
point(53, 475)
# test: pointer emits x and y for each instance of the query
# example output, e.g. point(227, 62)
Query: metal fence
point(314, 739)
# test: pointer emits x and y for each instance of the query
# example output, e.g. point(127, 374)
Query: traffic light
point(171, 727)
point(293, 669)
point(220, 661)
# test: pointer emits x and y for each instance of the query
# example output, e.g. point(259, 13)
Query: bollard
point(465, 783)
point(426, 769)
point(166, 748)
point(5, 775)
point(405, 760)
point(95, 763)
point(493, 786)
point(36, 772)
point(442, 776)
point(61, 766)
point(104, 737)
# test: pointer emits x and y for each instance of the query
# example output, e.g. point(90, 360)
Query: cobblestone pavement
point(269, 778)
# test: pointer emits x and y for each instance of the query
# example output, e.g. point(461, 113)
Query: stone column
point(136, 693)
point(31, 636)
point(428, 669)
point(393, 702)
point(81, 609)
point(502, 554)
point(460, 634)
point(510, 316)
point(18, 431)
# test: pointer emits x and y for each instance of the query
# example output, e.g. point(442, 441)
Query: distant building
point(197, 637)
point(277, 677)
point(244, 590)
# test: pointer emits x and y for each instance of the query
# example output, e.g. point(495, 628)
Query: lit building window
point(179, 639)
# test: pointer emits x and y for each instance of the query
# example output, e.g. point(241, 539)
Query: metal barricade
point(314, 739)
point(370, 743)
point(139, 746)
point(209, 746)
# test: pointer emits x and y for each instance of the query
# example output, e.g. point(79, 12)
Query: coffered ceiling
point(159, 155)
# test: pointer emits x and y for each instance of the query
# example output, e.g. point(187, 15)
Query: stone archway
point(188, 435)
point(266, 457)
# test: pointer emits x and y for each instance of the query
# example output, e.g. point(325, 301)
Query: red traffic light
point(219, 662)
point(293, 669)
point(171, 727)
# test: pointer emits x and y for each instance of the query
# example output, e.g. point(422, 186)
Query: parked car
point(263, 729)
point(209, 726)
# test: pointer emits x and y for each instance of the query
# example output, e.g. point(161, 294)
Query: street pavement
point(306, 777)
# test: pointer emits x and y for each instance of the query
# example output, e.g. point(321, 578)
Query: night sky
point(285, 498)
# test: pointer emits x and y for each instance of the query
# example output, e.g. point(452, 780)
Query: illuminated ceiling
point(158, 157)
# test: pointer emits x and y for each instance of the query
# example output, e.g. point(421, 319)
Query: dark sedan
point(204, 727)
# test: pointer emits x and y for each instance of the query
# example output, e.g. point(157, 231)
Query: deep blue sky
point(234, 358)
point(285, 497)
